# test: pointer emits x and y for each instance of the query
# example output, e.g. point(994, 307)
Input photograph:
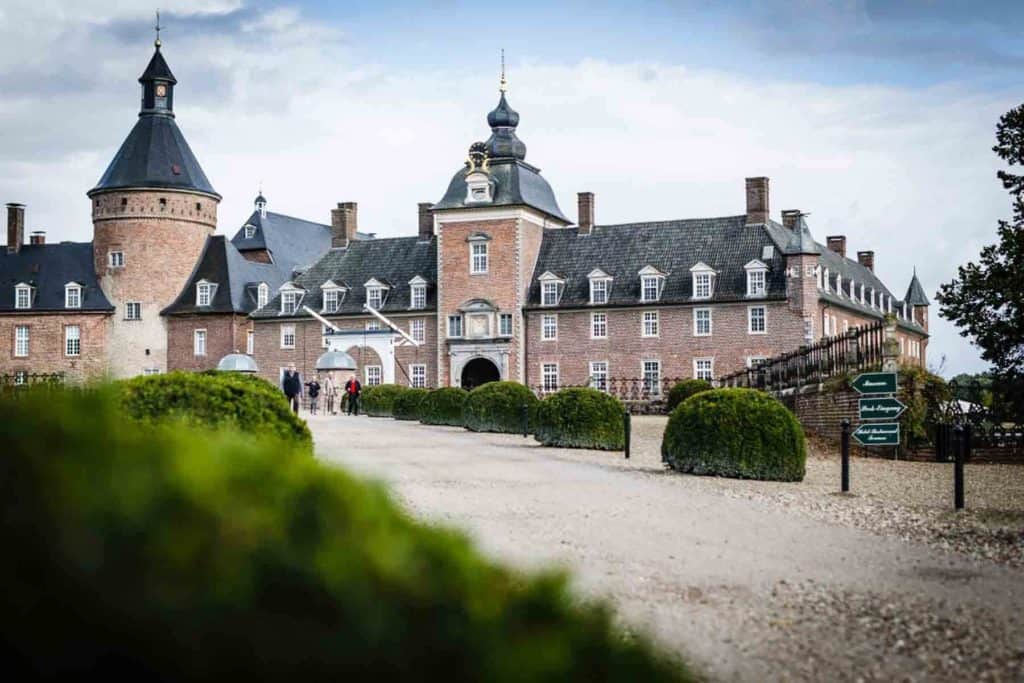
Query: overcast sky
point(876, 117)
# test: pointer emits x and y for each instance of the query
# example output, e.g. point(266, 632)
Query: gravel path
point(749, 581)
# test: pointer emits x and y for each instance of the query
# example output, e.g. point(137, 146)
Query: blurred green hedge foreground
point(168, 551)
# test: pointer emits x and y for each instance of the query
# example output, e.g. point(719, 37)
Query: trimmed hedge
point(156, 552)
point(497, 407)
point(580, 418)
point(407, 404)
point(443, 406)
point(684, 390)
point(740, 433)
point(379, 400)
point(247, 403)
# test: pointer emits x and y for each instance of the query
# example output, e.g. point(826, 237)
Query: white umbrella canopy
point(237, 362)
point(335, 360)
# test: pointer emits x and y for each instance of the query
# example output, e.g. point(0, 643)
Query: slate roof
point(516, 183)
point(235, 277)
point(157, 69)
point(673, 247)
point(48, 267)
point(292, 242)
point(393, 261)
point(915, 293)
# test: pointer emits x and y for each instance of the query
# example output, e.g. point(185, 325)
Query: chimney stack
point(344, 224)
point(790, 217)
point(426, 221)
point(837, 243)
point(757, 200)
point(585, 212)
point(15, 227)
point(37, 237)
point(866, 259)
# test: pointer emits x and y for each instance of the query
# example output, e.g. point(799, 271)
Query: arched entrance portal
point(479, 371)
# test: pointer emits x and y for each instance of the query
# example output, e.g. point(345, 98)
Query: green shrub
point(244, 402)
point(407, 404)
point(684, 390)
point(925, 394)
point(580, 418)
point(498, 406)
point(739, 433)
point(379, 401)
point(443, 406)
point(148, 551)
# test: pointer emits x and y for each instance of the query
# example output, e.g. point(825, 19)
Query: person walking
point(313, 387)
point(292, 386)
point(330, 393)
point(352, 390)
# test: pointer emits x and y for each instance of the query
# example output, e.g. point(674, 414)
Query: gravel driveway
point(749, 581)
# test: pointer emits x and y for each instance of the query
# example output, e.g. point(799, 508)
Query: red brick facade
point(225, 333)
point(46, 345)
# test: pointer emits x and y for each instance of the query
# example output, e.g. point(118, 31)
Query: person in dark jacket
point(313, 387)
point(352, 390)
point(292, 386)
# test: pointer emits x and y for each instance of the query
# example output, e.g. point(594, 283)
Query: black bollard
point(627, 427)
point(958, 467)
point(524, 418)
point(844, 455)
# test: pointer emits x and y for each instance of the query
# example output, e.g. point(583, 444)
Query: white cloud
point(276, 97)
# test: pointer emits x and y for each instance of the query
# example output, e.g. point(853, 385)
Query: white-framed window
point(757, 320)
point(754, 360)
point(375, 297)
point(250, 231)
point(198, 342)
point(704, 368)
point(703, 277)
point(418, 376)
point(549, 293)
point(262, 295)
point(372, 325)
point(549, 377)
point(599, 375)
point(651, 370)
point(418, 329)
point(650, 288)
point(133, 310)
point(72, 296)
point(374, 375)
point(250, 342)
point(598, 325)
point(826, 281)
point(455, 326)
point(549, 327)
point(287, 336)
point(290, 302)
point(22, 296)
point(478, 258)
point(903, 351)
point(846, 325)
point(204, 293)
point(702, 322)
point(757, 278)
point(419, 296)
point(650, 326)
point(810, 271)
point(21, 338)
point(72, 340)
point(332, 300)
point(115, 259)
point(599, 287)
point(505, 325)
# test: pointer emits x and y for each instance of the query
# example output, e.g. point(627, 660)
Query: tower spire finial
point(156, 43)
point(503, 83)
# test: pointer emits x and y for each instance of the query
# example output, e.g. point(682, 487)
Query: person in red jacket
point(352, 390)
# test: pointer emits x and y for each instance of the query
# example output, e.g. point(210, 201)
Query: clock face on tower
point(161, 90)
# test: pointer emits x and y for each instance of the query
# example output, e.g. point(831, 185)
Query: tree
point(986, 299)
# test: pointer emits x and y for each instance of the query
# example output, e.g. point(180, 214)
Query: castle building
point(495, 283)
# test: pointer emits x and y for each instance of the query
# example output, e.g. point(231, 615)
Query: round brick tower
point(152, 212)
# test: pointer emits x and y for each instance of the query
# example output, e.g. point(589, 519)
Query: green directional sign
point(878, 434)
point(883, 408)
point(875, 383)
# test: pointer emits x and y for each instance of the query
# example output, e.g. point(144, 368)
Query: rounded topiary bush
point(379, 401)
point(684, 390)
point(443, 406)
point(244, 402)
point(407, 404)
point(580, 418)
point(498, 407)
point(739, 433)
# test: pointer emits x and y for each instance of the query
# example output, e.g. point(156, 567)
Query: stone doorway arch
point(479, 371)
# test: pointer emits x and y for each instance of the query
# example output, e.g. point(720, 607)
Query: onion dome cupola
point(503, 142)
point(155, 154)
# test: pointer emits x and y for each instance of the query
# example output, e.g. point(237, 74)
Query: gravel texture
point(749, 581)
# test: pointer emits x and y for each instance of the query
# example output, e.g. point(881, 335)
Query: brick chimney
point(426, 220)
point(757, 200)
point(837, 243)
point(585, 212)
point(15, 227)
point(37, 237)
point(866, 259)
point(790, 217)
point(344, 224)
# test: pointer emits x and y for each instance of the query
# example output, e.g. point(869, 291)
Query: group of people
point(335, 400)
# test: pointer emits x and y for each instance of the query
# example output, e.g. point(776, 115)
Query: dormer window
point(417, 293)
point(376, 294)
point(703, 280)
point(250, 231)
point(600, 287)
point(478, 188)
point(262, 295)
point(204, 293)
point(333, 295)
point(23, 296)
point(550, 289)
point(839, 284)
point(72, 295)
point(827, 281)
point(757, 278)
point(291, 296)
point(652, 282)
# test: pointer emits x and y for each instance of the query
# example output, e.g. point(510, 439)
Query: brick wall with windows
point(225, 333)
point(43, 346)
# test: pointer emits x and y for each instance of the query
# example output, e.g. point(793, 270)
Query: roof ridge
point(670, 221)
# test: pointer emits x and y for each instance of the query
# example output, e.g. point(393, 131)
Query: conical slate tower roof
point(915, 292)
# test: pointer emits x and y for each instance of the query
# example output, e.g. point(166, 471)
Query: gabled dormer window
point(250, 231)
point(291, 296)
point(262, 295)
point(652, 282)
point(757, 278)
point(839, 284)
point(551, 287)
point(827, 281)
point(376, 293)
point(417, 293)
point(72, 295)
point(333, 296)
point(204, 293)
point(600, 287)
point(23, 296)
point(478, 188)
point(703, 280)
